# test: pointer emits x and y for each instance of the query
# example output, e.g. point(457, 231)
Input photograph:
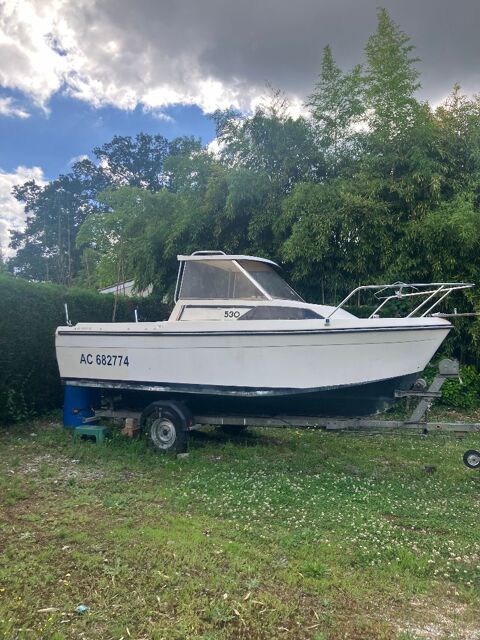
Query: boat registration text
point(105, 360)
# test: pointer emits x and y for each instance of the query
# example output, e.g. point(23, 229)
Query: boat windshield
point(270, 280)
point(223, 280)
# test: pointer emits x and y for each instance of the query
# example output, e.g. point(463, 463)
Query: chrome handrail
point(207, 252)
point(431, 289)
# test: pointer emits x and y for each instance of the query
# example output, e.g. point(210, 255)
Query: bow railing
point(434, 293)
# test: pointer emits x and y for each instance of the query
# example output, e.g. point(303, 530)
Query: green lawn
point(272, 534)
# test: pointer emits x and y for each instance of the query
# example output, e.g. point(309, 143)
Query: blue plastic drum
point(78, 404)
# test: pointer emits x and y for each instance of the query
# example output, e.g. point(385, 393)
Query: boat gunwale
point(327, 330)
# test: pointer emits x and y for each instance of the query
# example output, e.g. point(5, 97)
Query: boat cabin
point(216, 286)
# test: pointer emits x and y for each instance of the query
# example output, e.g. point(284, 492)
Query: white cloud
point(104, 54)
point(215, 54)
point(12, 215)
point(158, 115)
point(9, 108)
point(215, 147)
point(29, 61)
point(82, 156)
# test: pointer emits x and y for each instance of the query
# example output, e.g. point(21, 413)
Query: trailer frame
point(418, 420)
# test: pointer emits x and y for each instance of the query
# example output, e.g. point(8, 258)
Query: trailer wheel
point(472, 459)
point(165, 425)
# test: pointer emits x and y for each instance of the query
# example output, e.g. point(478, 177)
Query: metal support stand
point(447, 370)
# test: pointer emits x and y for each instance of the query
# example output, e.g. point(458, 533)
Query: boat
point(240, 340)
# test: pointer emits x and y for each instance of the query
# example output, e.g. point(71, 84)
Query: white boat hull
point(250, 359)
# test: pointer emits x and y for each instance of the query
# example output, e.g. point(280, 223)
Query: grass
point(270, 534)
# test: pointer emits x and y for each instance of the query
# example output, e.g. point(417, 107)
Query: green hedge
point(29, 315)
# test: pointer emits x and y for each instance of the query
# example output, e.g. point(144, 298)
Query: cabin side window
point(281, 313)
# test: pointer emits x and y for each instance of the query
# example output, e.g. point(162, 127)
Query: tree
point(137, 162)
point(337, 106)
point(46, 249)
point(391, 81)
point(136, 237)
point(271, 142)
point(339, 235)
point(457, 123)
point(188, 165)
point(399, 156)
point(444, 244)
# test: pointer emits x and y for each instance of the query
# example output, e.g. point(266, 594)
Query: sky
point(73, 73)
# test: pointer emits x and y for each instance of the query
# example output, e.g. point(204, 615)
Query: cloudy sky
point(75, 72)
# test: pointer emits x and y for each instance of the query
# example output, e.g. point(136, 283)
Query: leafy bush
point(463, 393)
point(460, 393)
point(29, 380)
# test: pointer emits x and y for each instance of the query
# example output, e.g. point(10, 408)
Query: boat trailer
point(166, 423)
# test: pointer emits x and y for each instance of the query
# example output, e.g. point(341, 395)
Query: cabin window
point(270, 280)
point(281, 313)
point(217, 280)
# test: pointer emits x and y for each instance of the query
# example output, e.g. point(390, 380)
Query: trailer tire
point(165, 425)
point(472, 459)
